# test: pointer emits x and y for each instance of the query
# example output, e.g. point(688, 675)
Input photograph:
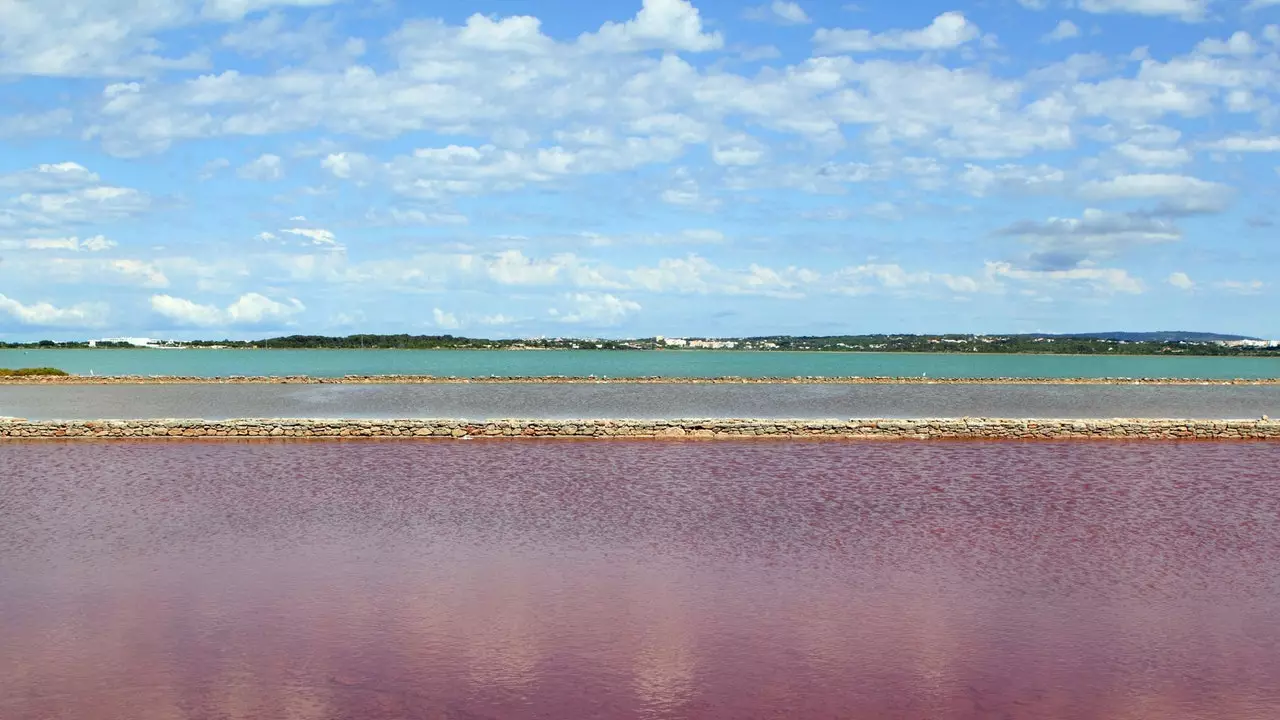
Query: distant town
point(1159, 343)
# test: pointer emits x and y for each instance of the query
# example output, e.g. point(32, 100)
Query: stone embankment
point(431, 379)
point(972, 428)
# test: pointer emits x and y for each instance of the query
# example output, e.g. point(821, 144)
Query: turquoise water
point(480, 363)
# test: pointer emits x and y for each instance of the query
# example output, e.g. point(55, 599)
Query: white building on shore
point(136, 342)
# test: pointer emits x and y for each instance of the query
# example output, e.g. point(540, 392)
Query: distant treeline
point(404, 342)
point(1205, 344)
point(1011, 344)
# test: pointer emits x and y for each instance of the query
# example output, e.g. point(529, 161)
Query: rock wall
point(1008, 429)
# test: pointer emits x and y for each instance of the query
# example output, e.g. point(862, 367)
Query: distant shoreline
point(657, 380)
point(1181, 353)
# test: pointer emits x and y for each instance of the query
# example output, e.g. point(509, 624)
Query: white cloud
point(445, 320)
point(233, 10)
point(1240, 43)
point(90, 38)
point(685, 191)
point(347, 165)
point(1182, 193)
point(213, 167)
point(1260, 4)
point(981, 181)
point(43, 314)
point(738, 150)
point(596, 309)
point(1181, 280)
point(660, 25)
point(318, 236)
point(1188, 10)
point(97, 243)
point(1141, 99)
point(1065, 30)
point(1034, 4)
point(314, 39)
point(1241, 287)
point(94, 204)
point(1153, 157)
point(779, 11)
point(1105, 280)
point(1245, 144)
point(248, 309)
point(50, 176)
point(498, 319)
point(947, 31)
point(51, 122)
point(266, 167)
point(414, 217)
point(1067, 243)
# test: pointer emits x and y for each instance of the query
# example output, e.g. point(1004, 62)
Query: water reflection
point(664, 580)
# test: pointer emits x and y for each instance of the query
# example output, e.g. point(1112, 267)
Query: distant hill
point(1165, 336)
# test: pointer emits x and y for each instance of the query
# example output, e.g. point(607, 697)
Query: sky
point(626, 168)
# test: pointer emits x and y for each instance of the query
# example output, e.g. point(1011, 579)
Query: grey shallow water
point(600, 400)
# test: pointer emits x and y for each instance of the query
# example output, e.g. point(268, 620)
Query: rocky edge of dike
point(430, 379)
point(954, 428)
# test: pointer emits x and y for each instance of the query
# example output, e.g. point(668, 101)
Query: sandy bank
point(973, 428)
point(429, 379)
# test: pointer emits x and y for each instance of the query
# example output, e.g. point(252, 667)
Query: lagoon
point(624, 363)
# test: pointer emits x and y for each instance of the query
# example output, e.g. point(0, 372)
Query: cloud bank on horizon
point(200, 168)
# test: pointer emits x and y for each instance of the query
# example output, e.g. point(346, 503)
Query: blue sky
point(242, 168)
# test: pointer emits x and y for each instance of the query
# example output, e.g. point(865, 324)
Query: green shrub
point(28, 372)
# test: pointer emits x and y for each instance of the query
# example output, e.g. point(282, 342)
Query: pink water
point(512, 579)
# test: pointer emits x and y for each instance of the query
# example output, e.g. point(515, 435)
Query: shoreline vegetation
point(41, 372)
point(1160, 343)
point(51, 376)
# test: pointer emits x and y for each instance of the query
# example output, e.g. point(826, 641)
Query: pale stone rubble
point(988, 428)
point(570, 380)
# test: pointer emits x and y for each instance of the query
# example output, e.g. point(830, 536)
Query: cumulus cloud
point(96, 204)
point(947, 31)
point(66, 193)
point(981, 181)
point(1065, 30)
point(1180, 194)
point(97, 243)
point(596, 309)
point(249, 309)
point(1106, 280)
point(1181, 280)
point(266, 167)
point(660, 25)
point(232, 10)
point(1240, 43)
point(1153, 157)
point(445, 320)
point(779, 11)
point(91, 38)
point(317, 236)
point(49, 176)
point(1241, 287)
point(40, 124)
point(1245, 144)
point(44, 314)
point(1066, 243)
point(1188, 10)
